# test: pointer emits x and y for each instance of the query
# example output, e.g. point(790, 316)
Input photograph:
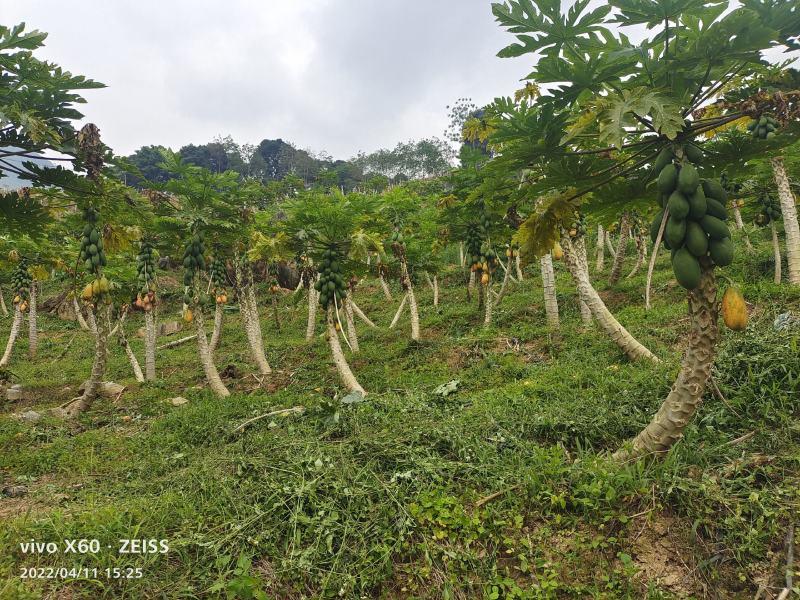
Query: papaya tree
point(200, 214)
point(334, 231)
point(624, 119)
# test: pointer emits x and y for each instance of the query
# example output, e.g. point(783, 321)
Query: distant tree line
point(283, 167)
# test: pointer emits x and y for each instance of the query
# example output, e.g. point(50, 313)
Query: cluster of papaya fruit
point(696, 225)
point(193, 261)
point(21, 280)
point(396, 237)
point(219, 275)
point(331, 285)
point(770, 210)
point(145, 273)
point(99, 289)
point(577, 227)
point(512, 251)
point(92, 253)
point(487, 261)
point(474, 242)
point(764, 127)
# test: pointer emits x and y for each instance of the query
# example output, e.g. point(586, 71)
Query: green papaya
point(721, 251)
point(95, 260)
point(667, 179)
point(678, 205)
point(663, 159)
point(675, 231)
point(94, 236)
point(696, 239)
point(693, 153)
point(87, 230)
point(686, 268)
point(698, 204)
point(655, 226)
point(688, 179)
point(713, 189)
point(715, 228)
point(715, 209)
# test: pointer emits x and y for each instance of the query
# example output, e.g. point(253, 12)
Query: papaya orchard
point(363, 428)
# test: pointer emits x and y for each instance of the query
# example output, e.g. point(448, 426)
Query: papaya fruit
point(693, 153)
point(686, 269)
point(713, 189)
point(678, 205)
point(698, 205)
point(696, 239)
point(655, 226)
point(667, 179)
point(715, 228)
point(734, 309)
point(688, 179)
point(558, 251)
point(721, 251)
point(716, 209)
point(663, 159)
point(675, 231)
point(485, 278)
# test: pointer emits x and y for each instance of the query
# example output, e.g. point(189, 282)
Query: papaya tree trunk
point(253, 328)
point(737, 219)
point(412, 300)
point(622, 246)
point(360, 314)
point(626, 342)
point(653, 257)
point(206, 358)
point(677, 411)
point(461, 257)
point(150, 335)
point(12, 337)
point(33, 332)
point(611, 251)
point(518, 265)
point(3, 307)
point(313, 300)
point(95, 381)
point(217, 332)
point(435, 290)
point(776, 250)
point(399, 311)
point(385, 287)
point(583, 262)
point(549, 287)
point(600, 259)
point(352, 334)
point(641, 253)
point(487, 317)
point(123, 341)
point(345, 374)
point(470, 285)
point(791, 228)
point(504, 285)
point(79, 315)
point(91, 320)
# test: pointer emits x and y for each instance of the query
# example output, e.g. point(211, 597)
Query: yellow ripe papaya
point(734, 309)
point(558, 252)
point(509, 253)
point(87, 293)
point(485, 278)
point(187, 315)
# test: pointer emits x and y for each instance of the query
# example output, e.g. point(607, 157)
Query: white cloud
point(339, 75)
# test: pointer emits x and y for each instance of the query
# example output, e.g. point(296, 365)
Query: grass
point(502, 489)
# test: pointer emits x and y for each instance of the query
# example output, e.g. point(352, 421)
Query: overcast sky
point(334, 75)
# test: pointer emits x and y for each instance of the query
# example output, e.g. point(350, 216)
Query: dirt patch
point(45, 493)
point(613, 298)
point(658, 550)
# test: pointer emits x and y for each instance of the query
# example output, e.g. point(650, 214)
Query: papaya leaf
point(542, 229)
